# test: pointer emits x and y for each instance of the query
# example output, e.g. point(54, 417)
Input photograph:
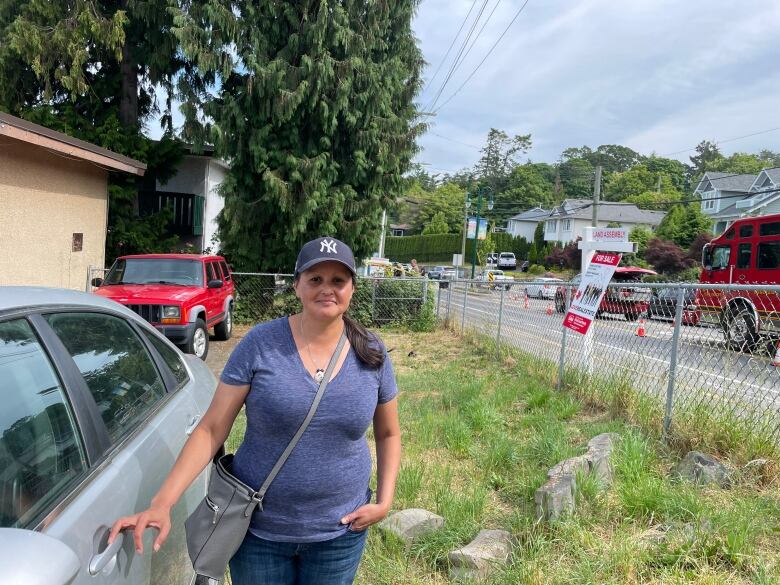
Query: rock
point(570, 467)
point(702, 469)
point(556, 497)
point(599, 453)
point(412, 523)
point(476, 560)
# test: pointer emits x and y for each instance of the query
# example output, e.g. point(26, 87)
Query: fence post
point(465, 301)
point(438, 301)
point(449, 300)
point(562, 360)
point(373, 300)
point(88, 288)
point(424, 291)
point(678, 313)
point(500, 318)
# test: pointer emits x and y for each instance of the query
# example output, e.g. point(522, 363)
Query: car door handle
point(99, 561)
point(193, 423)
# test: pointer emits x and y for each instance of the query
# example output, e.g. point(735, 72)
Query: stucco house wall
point(44, 199)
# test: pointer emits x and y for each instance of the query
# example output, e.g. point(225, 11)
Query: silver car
point(96, 407)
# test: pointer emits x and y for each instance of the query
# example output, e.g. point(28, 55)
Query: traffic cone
point(549, 308)
point(776, 359)
point(640, 329)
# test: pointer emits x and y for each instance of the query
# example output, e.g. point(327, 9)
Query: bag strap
point(312, 409)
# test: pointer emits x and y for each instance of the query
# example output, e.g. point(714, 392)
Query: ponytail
point(366, 345)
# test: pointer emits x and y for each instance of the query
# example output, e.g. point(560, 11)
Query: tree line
point(433, 203)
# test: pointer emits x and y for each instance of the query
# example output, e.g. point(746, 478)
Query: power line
point(447, 54)
point(498, 40)
point(723, 141)
point(457, 57)
point(455, 141)
point(476, 38)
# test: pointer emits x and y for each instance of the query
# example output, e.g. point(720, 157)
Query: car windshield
point(170, 271)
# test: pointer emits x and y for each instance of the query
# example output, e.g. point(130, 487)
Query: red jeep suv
point(182, 295)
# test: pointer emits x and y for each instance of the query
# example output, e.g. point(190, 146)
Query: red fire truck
point(748, 252)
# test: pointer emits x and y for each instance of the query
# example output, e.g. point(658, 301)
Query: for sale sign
point(587, 299)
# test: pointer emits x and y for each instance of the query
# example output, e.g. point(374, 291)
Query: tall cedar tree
point(315, 112)
point(89, 68)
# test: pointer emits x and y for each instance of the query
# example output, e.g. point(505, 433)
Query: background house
point(193, 196)
point(399, 229)
point(568, 221)
point(726, 197)
point(720, 192)
point(524, 224)
point(53, 204)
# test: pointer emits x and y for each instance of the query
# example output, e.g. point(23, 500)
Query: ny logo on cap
point(328, 246)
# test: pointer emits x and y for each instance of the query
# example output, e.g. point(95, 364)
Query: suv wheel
point(224, 329)
point(198, 345)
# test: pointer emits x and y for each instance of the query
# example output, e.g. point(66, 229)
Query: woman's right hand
point(158, 517)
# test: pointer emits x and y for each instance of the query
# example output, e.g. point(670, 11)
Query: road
point(707, 372)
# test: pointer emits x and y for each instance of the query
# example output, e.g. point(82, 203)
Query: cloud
point(655, 75)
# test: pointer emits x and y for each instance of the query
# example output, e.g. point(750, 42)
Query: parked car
point(97, 405)
point(628, 299)
point(492, 259)
point(542, 288)
point(453, 273)
point(507, 261)
point(436, 272)
point(663, 305)
point(496, 278)
point(182, 295)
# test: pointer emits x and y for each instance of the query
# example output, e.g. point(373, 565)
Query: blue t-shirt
point(327, 474)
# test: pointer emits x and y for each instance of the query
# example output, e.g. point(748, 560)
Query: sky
point(657, 76)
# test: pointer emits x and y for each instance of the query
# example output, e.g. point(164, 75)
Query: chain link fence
point(376, 301)
point(686, 354)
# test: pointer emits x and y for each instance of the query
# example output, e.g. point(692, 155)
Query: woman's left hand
point(365, 516)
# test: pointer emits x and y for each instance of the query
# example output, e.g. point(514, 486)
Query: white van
point(506, 261)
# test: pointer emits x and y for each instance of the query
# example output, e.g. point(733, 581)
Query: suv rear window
point(156, 271)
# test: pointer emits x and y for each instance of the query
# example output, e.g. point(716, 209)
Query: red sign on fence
point(586, 301)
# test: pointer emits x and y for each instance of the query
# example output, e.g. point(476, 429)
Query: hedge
point(438, 247)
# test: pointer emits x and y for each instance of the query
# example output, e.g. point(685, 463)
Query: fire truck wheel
point(741, 331)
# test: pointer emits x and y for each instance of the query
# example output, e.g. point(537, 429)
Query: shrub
point(536, 270)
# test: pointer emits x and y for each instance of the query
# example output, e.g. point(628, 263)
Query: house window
point(398, 232)
point(552, 225)
point(708, 200)
point(567, 225)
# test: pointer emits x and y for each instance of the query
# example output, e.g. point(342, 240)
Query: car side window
point(768, 256)
point(212, 274)
point(170, 357)
point(40, 448)
point(225, 271)
point(117, 368)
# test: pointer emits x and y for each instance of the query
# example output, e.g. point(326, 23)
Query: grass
point(481, 426)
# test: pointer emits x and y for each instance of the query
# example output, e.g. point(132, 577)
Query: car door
point(146, 417)
point(214, 305)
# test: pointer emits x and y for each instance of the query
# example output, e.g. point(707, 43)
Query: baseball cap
point(323, 250)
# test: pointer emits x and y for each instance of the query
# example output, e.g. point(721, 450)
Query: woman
point(312, 529)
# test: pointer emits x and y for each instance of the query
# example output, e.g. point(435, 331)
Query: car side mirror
point(216, 283)
point(21, 552)
point(97, 281)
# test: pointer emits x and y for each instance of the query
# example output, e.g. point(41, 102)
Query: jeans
point(265, 562)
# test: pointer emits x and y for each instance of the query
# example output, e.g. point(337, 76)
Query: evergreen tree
point(315, 112)
point(539, 235)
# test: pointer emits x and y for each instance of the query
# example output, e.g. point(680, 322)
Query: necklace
point(319, 374)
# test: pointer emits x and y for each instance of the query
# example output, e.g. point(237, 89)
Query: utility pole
point(382, 237)
point(476, 231)
point(658, 184)
point(596, 195)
